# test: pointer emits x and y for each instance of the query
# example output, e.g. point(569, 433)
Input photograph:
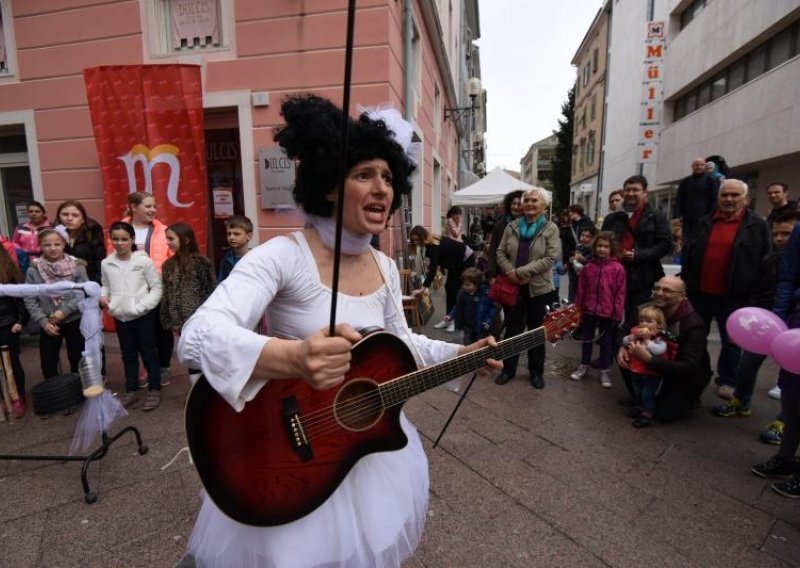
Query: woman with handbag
point(525, 256)
point(451, 255)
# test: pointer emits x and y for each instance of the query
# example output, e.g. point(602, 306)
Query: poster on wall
point(149, 133)
point(276, 175)
point(223, 202)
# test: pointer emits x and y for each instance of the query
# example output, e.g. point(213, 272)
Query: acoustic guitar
point(289, 449)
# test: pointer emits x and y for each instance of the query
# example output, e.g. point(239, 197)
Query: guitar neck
point(399, 390)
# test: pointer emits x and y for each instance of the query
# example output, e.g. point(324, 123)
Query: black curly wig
point(312, 135)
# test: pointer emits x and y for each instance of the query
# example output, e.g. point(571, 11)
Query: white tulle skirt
point(374, 518)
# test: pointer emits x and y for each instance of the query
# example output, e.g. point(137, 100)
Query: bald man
point(697, 197)
point(689, 373)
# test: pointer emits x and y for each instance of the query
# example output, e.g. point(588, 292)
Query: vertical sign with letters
point(652, 92)
point(277, 173)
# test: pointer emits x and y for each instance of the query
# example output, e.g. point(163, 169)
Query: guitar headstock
point(561, 322)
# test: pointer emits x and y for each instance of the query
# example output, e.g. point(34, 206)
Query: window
point(590, 147)
point(703, 94)
point(691, 101)
point(692, 11)
point(756, 62)
point(680, 109)
point(594, 107)
point(780, 48)
point(574, 159)
point(179, 27)
point(595, 60)
point(587, 73)
point(718, 85)
point(416, 66)
point(437, 108)
point(736, 76)
point(6, 40)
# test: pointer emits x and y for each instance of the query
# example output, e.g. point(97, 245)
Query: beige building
point(537, 165)
point(590, 63)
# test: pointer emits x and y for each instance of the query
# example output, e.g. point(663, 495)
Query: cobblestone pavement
point(556, 477)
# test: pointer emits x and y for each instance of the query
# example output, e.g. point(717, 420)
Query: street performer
point(375, 517)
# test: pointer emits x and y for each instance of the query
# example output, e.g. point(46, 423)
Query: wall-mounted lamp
point(473, 90)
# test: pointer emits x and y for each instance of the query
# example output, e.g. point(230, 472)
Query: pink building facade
point(252, 53)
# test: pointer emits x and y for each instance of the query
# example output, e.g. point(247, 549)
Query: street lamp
point(456, 113)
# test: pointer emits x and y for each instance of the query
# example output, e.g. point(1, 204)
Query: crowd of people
point(152, 279)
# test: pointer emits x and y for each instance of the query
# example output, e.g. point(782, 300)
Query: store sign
point(652, 92)
point(277, 174)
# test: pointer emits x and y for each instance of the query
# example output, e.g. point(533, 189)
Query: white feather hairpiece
point(402, 130)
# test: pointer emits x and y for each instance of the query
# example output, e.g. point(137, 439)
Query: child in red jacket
point(601, 298)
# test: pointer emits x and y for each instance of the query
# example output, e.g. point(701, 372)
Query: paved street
point(522, 478)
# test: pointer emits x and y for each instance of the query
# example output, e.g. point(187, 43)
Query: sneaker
point(441, 325)
point(152, 401)
point(641, 422)
point(633, 413)
point(725, 392)
point(131, 399)
point(773, 434)
point(731, 409)
point(452, 327)
point(790, 489)
point(775, 466)
point(143, 378)
point(166, 376)
point(18, 408)
point(774, 392)
point(579, 373)
point(605, 379)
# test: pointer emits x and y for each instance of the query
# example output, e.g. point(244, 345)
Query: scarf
point(352, 243)
point(526, 231)
point(57, 271)
point(633, 223)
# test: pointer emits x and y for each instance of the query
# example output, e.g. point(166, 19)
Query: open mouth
point(375, 213)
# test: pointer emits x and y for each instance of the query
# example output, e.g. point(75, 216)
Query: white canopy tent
point(491, 189)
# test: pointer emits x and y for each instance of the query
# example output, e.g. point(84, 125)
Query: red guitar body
point(291, 446)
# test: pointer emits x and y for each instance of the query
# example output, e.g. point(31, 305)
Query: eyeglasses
point(666, 290)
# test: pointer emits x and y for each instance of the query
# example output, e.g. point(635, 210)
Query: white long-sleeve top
point(281, 278)
point(133, 288)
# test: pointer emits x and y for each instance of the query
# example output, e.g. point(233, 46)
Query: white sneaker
point(605, 379)
point(774, 392)
point(166, 376)
point(579, 373)
point(441, 325)
point(452, 327)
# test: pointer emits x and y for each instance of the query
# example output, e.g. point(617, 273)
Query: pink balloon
point(754, 329)
point(786, 350)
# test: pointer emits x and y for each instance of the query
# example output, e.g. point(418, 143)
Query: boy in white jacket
point(131, 289)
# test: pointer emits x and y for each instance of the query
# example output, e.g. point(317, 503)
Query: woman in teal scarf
point(526, 255)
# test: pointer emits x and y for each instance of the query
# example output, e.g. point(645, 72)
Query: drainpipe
point(408, 26)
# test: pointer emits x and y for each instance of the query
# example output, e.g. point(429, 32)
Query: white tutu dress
point(376, 516)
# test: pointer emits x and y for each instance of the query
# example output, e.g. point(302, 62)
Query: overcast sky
point(526, 49)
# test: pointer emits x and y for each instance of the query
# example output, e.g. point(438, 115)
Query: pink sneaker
point(18, 408)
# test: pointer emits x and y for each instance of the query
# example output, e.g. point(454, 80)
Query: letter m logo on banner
point(148, 128)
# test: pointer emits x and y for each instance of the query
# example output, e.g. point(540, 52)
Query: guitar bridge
point(294, 428)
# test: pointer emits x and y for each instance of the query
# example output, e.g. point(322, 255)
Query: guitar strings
point(325, 421)
point(368, 403)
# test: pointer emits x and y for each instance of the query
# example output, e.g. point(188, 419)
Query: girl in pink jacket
point(601, 298)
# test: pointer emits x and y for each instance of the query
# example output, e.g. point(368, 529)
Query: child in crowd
point(652, 331)
point(583, 251)
point(131, 290)
point(59, 317)
point(26, 234)
point(601, 298)
point(188, 280)
point(240, 231)
point(474, 311)
point(13, 317)
point(559, 270)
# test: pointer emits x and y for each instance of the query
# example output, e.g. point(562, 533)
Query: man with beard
point(689, 372)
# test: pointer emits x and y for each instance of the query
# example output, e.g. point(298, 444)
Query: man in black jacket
point(697, 197)
point(644, 236)
point(722, 269)
point(689, 372)
point(570, 239)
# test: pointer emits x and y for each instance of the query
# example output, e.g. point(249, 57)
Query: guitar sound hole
point(358, 405)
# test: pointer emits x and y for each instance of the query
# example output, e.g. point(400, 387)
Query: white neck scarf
point(352, 243)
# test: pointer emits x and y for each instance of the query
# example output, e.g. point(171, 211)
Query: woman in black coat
point(86, 241)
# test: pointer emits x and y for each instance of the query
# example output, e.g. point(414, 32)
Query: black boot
point(537, 380)
point(503, 378)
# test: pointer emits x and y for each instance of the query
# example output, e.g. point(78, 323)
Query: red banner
point(148, 127)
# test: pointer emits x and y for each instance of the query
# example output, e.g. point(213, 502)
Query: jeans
point(714, 306)
point(790, 411)
point(165, 341)
point(136, 338)
point(606, 330)
point(527, 312)
point(646, 387)
point(49, 347)
point(746, 374)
